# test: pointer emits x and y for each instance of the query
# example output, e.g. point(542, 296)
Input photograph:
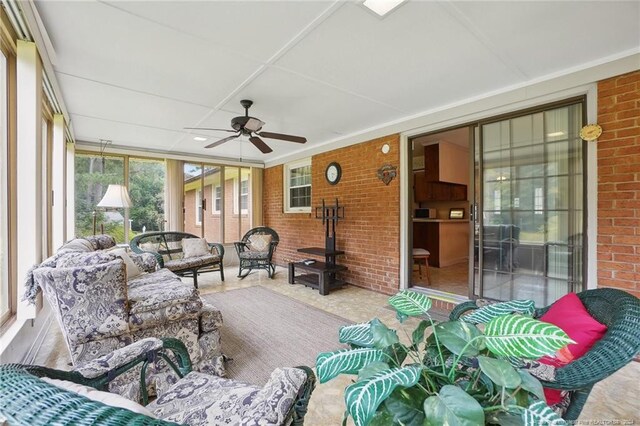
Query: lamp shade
point(116, 196)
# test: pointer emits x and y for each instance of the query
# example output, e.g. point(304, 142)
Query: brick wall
point(619, 183)
point(370, 233)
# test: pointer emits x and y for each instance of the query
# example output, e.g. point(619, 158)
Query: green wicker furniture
point(252, 258)
point(26, 400)
point(166, 246)
point(616, 309)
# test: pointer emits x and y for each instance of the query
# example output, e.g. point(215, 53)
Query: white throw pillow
point(194, 247)
point(132, 269)
point(106, 398)
point(259, 242)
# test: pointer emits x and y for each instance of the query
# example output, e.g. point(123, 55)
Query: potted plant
point(456, 375)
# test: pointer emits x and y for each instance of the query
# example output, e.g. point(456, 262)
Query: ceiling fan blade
point(208, 128)
point(221, 141)
point(260, 144)
point(288, 138)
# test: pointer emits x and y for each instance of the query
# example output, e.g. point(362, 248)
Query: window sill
point(298, 211)
point(8, 332)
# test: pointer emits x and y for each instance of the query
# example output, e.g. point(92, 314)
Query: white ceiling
point(137, 72)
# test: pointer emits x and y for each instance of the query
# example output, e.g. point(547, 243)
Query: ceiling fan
point(249, 126)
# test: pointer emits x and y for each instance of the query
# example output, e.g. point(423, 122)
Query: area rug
point(264, 330)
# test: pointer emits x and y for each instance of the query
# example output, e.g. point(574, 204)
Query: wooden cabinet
point(446, 162)
point(425, 190)
point(447, 242)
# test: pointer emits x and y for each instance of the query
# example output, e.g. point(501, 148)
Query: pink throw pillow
point(572, 317)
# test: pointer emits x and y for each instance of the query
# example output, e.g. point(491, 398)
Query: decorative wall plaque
point(386, 173)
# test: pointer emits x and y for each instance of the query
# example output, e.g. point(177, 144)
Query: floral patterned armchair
point(99, 310)
point(194, 399)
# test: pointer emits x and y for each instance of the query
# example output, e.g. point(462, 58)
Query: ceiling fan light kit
point(249, 126)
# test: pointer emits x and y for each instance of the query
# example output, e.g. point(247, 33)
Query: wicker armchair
point(616, 309)
point(257, 257)
point(195, 398)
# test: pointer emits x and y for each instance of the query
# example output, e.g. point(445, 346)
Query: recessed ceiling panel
point(257, 29)
point(545, 37)
point(416, 58)
point(99, 42)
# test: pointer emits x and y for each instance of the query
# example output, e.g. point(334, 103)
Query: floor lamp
point(117, 196)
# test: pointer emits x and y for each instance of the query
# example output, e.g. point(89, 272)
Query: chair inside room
point(28, 397)
point(421, 257)
point(256, 250)
point(616, 309)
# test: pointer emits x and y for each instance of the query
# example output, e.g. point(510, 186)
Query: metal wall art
point(386, 173)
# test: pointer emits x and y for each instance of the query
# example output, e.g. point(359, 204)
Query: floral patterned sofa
point(100, 310)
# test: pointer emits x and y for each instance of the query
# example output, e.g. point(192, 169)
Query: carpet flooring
point(264, 330)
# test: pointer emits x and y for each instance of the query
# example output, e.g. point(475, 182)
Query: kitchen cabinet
point(425, 190)
point(446, 162)
point(446, 240)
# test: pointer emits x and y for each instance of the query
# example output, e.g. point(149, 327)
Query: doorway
point(441, 164)
point(513, 227)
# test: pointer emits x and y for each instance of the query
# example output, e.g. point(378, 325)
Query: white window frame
point(286, 181)
point(4, 192)
point(215, 211)
point(236, 195)
point(198, 206)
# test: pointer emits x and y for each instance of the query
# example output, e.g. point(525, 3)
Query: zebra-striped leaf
point(539, 414)
point(345, 361)
point(489, 312)
point(363, 398)
point(523, 337)
point(452, 406)
point(357, 334)
point(410, 303)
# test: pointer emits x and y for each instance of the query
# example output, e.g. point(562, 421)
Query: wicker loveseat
point(166, 246)
point(100, 310)
point(194, 399)
point(616, 309)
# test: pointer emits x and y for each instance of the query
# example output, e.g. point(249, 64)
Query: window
point(5, 290)
point(297, 190)
point(244, 195)
point(199, 207)
point(146, 189)
point(217, 199)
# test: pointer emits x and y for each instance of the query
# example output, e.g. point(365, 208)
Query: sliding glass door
point(529, 206)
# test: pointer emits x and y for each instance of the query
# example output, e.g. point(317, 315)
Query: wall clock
point(590, 132)
point(333, 173)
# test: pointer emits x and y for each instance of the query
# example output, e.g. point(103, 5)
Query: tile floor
point(614, 400)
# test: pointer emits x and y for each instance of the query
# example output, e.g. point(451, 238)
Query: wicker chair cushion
point(259, 242)
point(201, 399)
point(195, 247)
point(250, 254)
point(572, 317)
point(191, 262)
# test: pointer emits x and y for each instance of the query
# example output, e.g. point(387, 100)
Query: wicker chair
point(620, 312)
point(195, 398)
point(250, 258)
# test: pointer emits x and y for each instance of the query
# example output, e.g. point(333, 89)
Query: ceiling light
point(382, 7)
point(554, 134)
point(199, 139)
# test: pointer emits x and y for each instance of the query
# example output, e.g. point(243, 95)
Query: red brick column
point(619, 183)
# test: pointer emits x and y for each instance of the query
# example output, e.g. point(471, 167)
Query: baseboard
point(33, 350)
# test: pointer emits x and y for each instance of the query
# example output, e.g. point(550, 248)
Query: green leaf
point(371, 369)
point(487, 313)
point(539, 414)
point(396, 352)
point(357, 334)
point(363, 398)
point(382, 336)
point(524, 337)
point(410, 303)
point(382, 418)
point(505, 419)
point(405, 406)
point(417, 336)
point(345, 361)
point(455, 335)
point(453, 406)
point(500, 372)
point(531, 384)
